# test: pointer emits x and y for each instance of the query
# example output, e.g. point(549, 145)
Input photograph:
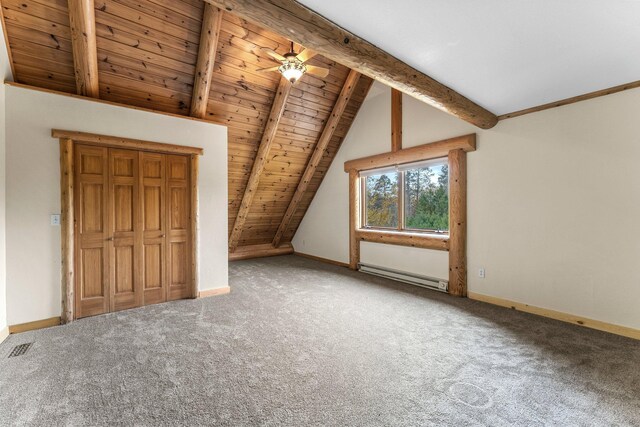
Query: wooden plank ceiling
point(147, 54)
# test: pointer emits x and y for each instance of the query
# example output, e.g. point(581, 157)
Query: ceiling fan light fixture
point(292, 70)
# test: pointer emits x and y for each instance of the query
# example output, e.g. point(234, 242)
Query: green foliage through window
point(382, 200)
point(426, 198)
point(425, 194)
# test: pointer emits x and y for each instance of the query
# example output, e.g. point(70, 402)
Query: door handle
point(109, 239)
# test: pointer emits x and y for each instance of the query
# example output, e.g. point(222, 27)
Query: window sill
point(438, 242)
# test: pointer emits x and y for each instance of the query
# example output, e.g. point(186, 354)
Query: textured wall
point(5, 74)
point(553, 204)
point(33, 189)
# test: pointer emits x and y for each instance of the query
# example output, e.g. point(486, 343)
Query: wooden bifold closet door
point(132, 229)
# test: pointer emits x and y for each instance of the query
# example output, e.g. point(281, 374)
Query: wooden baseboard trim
point(325, 260)
point(557, 315)
point(260, 251)
point(4, 333)
point(38, 324)
point(214, 292)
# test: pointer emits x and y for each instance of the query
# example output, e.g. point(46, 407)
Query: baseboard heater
point(403, 276)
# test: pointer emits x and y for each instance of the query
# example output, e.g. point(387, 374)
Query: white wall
point(5, 74)
point(33, 189)
point(553, 202)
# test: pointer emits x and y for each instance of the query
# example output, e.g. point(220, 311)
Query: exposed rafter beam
point(211, 23)
point(82, 21)
point(396, 120)
point(282, 94)
point(321, 148)
point(296, 22)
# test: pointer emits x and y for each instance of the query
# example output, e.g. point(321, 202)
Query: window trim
point(401, 170)
point(456, 150)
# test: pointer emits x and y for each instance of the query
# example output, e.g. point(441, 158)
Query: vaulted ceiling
point(147, 54)
point(505, 55)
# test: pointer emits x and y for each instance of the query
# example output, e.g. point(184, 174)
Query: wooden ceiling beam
point(82, 22)
point(396, 120)
point(210, 33)
point(321, 148)
point(296, 22)
point(277, 109)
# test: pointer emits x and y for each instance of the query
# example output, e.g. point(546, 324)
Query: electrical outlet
point(481, 273)
point(55, 219)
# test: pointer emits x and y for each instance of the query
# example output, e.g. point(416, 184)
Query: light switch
point(55, 219)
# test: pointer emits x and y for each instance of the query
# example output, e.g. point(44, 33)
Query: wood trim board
point(416, 240)
point(126, 143)
point(102, 101)
point(193, 229)
point(260, 251)
point(67, 228)
point(214, 292)
point(37, 324)
point(572, 100)
point(354, 219)
point(558, 315)
point(433, 150)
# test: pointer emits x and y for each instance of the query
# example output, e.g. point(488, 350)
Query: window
point(381, 195)
point(413, 197)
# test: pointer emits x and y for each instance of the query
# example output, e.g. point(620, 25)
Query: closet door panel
point(154, 206)
point(124, 260)
point(92, 292)
point(153, 271)
point(178, 256)
point(133, 229)
point(125, 253)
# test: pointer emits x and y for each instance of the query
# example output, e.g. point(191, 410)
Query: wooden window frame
point(454, 242)
point(68, 140)
point(402, 226)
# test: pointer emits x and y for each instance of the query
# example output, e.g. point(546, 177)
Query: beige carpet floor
point(301, 343)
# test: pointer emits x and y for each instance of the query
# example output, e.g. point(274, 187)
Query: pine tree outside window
point(381, 200)
point(412, 198)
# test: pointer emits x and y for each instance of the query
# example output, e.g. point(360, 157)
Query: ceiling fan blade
point(317, 71)
point(306, 55)
point(273, 53)
point(268, 69)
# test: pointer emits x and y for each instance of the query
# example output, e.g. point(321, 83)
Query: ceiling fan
point(293, 64)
